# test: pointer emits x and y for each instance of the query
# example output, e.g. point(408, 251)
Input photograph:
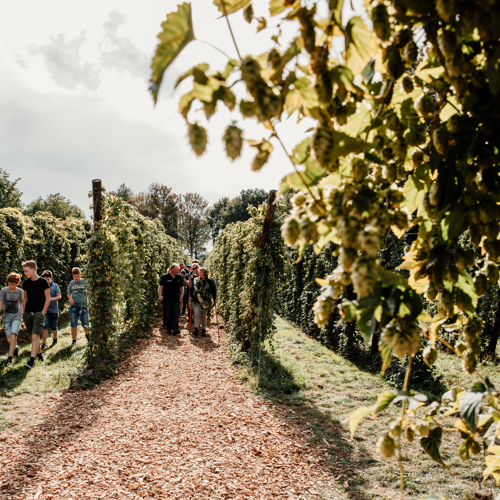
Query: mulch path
point(173, 423)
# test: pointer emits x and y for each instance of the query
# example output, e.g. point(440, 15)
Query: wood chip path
point(173, 423)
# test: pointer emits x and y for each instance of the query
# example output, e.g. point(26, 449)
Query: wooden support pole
point(264, 240)
point(96, 198)
point(268, 219)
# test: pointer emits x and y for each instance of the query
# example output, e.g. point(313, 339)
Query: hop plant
point(322, 145)
point(248, 13)
point(290, 230)
point(197, 138)
point(469, 361)
point(404, 339)
point(410, 52)
point(386, 446)
point(233, 140)
point(364, 277)
point(250, 72)
point(359, 169)
point(430, 355)
point(440, 139)
point(323, 308)
point(424, 105)
point(410, 434)
point(381, 24)
point(407, 84)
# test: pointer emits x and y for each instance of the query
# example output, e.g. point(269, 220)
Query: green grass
point(317, 390)
point(62, 364)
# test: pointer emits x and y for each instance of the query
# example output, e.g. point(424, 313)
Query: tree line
point(189, 218)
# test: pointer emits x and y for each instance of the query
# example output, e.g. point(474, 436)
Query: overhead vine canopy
point(404, 137)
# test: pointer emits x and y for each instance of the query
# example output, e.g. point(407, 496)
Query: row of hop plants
point(127, 255)
point(54, 244)
point(248, 278)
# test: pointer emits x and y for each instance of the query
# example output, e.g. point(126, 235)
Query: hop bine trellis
point(247, 263)
point(128, 253)
point(53, 243)
point(405, 120)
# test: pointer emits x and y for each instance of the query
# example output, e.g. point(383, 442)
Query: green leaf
point(452, 224)
point(345, 144)
point(357, 122)
point(301, 94)
point(277, 7)
point(177, 32)
point(231, 6)
point(470, 404)
point(368, 71)
point(386, 354)
point(200, 67)
point(466, 285)
point(357, 416)
point(313, 173)
point(383, 401)
point(367, 323)
point(414, 193)
point(361, 45)
point(336, 7)
point(302, 152)
point(185, 103)
point(432, 443)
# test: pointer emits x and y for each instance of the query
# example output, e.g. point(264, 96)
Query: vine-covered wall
point(127, 255)
point(248, 277)
point(54, 244)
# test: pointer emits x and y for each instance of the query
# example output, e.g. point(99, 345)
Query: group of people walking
point(36, 304)
point(195, 290)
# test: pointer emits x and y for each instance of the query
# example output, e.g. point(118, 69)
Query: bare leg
point(45, 332)
point(35, 345)
point(12, 345)
point(54, 334)
point(73, 332)
point(86, 330)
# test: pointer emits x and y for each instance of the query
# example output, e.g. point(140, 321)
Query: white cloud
point(122, 54)
point(65, 64)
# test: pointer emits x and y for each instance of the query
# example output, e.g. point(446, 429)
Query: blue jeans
point(51, 321)
point(171, 315)
point(12, 327)
point(76, 312)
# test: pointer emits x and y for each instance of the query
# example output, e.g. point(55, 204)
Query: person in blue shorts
point(77, 295)
point(52, 315)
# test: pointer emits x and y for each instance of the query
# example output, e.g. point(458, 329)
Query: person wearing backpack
point(203, 297)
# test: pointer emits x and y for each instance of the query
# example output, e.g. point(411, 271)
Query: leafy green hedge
point(128, 253)
point(54, 244)
point(248, 277)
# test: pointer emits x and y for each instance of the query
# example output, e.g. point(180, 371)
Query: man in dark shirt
point(36, 302)
point(170, 293)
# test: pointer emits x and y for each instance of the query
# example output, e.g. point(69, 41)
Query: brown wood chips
point(173, 423)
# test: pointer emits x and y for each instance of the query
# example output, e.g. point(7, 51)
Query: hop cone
point(197, 138)
point(233, 141)
point(323, 142)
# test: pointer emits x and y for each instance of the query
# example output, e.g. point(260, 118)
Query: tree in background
point(158, 202)
point(10, 196)
point(194, 228)
point(227, 211)
point(123, 192)
point(57, 205)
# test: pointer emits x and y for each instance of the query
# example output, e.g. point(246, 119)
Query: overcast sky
point(75, 104)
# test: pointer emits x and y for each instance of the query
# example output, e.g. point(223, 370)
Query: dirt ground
point(173, 423)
